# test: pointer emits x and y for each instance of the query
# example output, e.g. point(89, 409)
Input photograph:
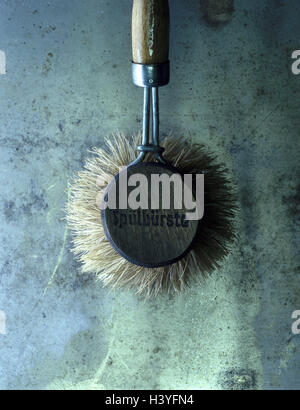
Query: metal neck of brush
point(151, 75)
point(150, 94)
point(150, 100)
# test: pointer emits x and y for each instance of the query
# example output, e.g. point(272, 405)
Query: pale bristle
point(93, 249)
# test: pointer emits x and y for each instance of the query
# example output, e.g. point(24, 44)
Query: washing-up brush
point(127, 210)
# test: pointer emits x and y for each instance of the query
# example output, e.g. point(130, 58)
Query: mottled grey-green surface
point(67, 86)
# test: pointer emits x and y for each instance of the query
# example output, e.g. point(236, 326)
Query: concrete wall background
point(67, 86)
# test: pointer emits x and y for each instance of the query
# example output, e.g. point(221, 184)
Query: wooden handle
point(150, 31)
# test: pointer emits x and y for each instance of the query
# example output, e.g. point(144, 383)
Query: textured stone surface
point(68, 85)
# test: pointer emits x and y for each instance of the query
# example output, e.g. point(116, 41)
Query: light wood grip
point(150, 31)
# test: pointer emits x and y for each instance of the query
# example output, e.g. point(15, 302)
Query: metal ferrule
point(154, 75)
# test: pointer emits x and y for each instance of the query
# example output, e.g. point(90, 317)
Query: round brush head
point(94, 250)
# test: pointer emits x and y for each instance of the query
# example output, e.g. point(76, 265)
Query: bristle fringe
point(91, 247)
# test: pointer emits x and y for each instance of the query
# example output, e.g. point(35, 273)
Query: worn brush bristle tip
point(92, 248)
